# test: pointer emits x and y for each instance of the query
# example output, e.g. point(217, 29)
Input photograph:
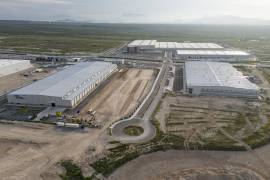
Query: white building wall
point(40, 100)
point(222, 91)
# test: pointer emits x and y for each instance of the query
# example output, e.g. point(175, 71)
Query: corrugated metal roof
point(216, 74)
point(212, 52)
point(69, 82)
point(173, 45)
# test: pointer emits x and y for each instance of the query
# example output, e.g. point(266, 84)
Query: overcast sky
point(145, 11)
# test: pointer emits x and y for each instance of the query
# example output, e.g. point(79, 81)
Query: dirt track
point(121, 95)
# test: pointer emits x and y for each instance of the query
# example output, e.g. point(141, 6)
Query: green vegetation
point(220, 142)
point(73, 171)
point(266, 74)
point(260, 137)
point(60, 38)
point(133, 130)
point(123, 153)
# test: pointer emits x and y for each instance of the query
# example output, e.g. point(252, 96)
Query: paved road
point(149, 130)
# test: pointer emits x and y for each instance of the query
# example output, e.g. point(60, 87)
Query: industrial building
point(218, 79)
point(153, 45)
point(9, 66)
point(67, 88)
point(212, 55)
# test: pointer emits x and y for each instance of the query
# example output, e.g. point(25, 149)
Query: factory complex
point(148, 45)
point(218, 79)
point(188, 51)
point(8, 66)
point(67, 88)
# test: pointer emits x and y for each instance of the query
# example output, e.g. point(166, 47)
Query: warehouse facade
point(9, 66)
point(67, 88)
point(212, 55)
point(217, 79)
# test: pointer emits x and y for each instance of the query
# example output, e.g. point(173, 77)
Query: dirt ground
point(16, 80)
point(121, 95)
point(30, 151)
point(216, 119)
point(198, 165)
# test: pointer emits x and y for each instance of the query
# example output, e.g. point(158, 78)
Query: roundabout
point(133, 130)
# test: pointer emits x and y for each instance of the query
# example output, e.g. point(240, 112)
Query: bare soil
point(30, 151)
point(197, 165)
point(17, 80)
point(121, 95)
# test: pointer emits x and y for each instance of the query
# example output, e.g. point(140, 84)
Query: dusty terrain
point(212, 119)
point(121, 95)
point(198, 165)
point(16, 80)
point(30, 151)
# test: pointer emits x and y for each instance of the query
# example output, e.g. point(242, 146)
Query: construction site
point(103, 112)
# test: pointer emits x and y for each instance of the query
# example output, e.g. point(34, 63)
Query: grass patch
point(133, 130)
point(259, 138)
point(73, 171)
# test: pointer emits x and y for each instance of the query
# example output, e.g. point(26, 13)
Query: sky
point(142, 11)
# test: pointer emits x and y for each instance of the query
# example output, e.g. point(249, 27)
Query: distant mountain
point(231, 20)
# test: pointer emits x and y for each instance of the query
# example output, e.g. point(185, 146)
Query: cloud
point(137, 11)
point(33, 2)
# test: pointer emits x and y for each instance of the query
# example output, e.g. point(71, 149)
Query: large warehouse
point(218, 79)
point(212, 55)
point(67, 88)
point(153, 45)
point(9, 66)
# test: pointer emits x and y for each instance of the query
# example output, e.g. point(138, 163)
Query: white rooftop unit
point(216, 78)
point(9, 66)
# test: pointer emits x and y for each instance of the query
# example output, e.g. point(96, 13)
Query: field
point(204, 121)
point(60, 38)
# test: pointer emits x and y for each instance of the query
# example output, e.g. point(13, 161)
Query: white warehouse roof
point(212, 53)
point(172, 45)
point(216, 74)
point(10, 66)
point(69, 82)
